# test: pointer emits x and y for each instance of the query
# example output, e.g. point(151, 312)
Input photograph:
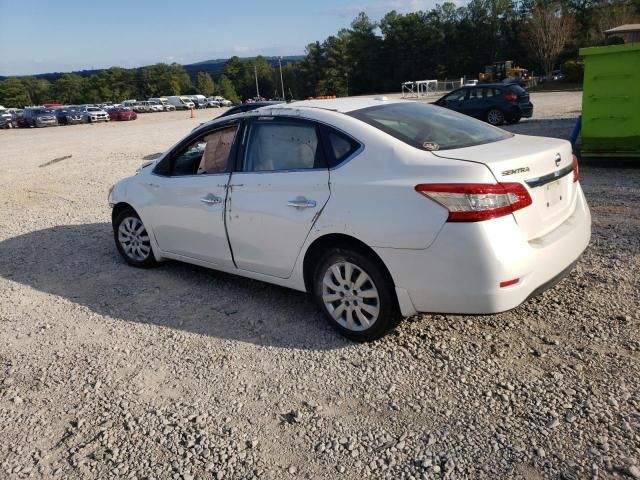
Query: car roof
point(342, 105)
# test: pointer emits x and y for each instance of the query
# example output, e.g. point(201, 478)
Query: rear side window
point(517, 89)
point(275, 145)
point(340, 147)
point(429, 127)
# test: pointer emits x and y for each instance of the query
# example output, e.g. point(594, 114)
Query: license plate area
point(553, 193)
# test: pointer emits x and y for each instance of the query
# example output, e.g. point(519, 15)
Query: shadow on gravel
point(80, 263)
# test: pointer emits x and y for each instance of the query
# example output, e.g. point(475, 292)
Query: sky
point(41, 36)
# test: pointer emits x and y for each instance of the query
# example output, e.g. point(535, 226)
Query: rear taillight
point(510, 97)
point(474, 202)
point(576, 170)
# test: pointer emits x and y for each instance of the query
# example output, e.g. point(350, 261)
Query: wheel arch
point(335, 240)
point(118, 208)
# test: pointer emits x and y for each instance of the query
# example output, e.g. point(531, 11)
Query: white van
point(181, 103)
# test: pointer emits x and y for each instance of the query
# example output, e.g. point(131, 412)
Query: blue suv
point(495, 103)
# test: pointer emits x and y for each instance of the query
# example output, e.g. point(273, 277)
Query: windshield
point(93, 109)
point(429, 127)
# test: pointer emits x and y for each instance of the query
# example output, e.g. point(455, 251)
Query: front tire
point(495, 117)
point(355, 294)
point(132, 240)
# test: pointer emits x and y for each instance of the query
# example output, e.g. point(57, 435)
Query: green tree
point(162, 79)
point(334, 77)
point(204, 84)
point(227, 90)
point(13, 94)
point(364, 48)
point(69, 89)
point(38, 89)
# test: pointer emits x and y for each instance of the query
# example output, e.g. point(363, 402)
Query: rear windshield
point(428, 127)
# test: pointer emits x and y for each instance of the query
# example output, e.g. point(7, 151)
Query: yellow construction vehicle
point(500, 71)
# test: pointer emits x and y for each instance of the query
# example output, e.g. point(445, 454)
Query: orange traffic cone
point(193, 112)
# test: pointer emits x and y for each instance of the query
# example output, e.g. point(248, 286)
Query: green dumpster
point(611, 101)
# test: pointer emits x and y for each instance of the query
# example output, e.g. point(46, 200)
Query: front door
point(187, 206)
point(280, 188)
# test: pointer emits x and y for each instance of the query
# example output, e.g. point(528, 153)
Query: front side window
point(274, 145)
point(456, 96)
point(208, 154)
point(428, 127)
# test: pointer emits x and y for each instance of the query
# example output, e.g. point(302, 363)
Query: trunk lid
point(543, 165)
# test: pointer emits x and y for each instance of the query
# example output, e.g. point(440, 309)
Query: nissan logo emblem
point(558, 159)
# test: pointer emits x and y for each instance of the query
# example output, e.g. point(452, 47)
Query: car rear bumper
point(462, 270)
point(522, 110)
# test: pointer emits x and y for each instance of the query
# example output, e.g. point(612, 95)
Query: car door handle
point(301, 203)
point(211, 200)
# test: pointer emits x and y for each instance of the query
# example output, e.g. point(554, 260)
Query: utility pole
point(281, 80)
point(255, 71)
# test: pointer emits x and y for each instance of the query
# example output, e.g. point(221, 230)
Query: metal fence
point(424, 88)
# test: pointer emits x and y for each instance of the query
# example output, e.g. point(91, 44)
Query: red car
point(122, 114)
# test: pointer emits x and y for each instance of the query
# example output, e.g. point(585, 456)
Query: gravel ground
point(183, 373)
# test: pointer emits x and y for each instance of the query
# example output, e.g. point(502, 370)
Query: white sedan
point(380, 209)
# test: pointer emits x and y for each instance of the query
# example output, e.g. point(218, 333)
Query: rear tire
point(495, 117)
point(513, 120)
point(132, 240)
point(355, 294)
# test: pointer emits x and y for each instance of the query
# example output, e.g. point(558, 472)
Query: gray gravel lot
point(184, 373)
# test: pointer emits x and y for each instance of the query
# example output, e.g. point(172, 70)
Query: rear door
point(475, 103)
point(281, 186)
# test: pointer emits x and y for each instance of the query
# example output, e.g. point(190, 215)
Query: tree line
point(446, 42)
point(113, 84)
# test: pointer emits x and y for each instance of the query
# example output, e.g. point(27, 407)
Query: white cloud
point(240, 49)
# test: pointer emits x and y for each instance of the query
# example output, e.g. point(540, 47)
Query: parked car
point(7, 120)
point(153, 106)
point(141, 107)
point(19, 118)
point(495, 103)
point(163, 103)
point(95, 114)
point(212, 103)
point(122, 113)
point(40, 117)
point(379, 209)
point(181, 103)
point(71, 116)
point(223, 102)
point(247, 107)
point(199, 101)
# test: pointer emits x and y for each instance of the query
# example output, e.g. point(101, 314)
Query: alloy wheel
point(350, 296)
point(134, 239)
point(495, 117)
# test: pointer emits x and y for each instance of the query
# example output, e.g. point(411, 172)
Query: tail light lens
point(576, 169)
point(474, 202)
point(510, 97)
